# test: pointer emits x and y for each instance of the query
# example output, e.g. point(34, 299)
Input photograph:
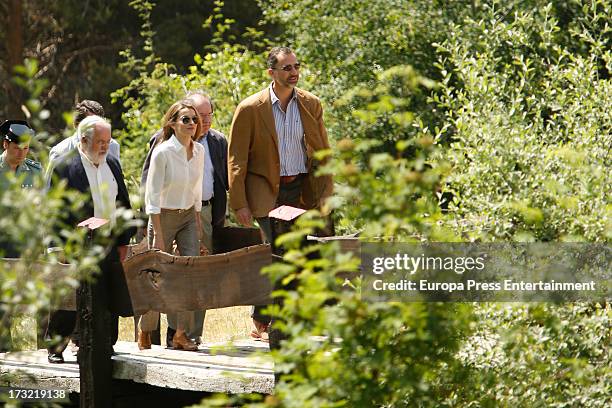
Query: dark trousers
point(288, 194)
point(8, 250)
point(63, 323)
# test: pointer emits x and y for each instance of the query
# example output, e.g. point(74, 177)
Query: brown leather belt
point(175, 211)
point(290, 179)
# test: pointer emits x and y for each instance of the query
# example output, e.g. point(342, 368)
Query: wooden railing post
point(95, 348)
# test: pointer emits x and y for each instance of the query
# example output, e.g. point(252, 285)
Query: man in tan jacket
point(273, 138)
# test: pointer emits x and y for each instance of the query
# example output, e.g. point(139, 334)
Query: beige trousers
point(194, 328)
point(179, 226)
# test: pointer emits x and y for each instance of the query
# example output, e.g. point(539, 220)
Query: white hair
point(88, 125)
point(195, 94)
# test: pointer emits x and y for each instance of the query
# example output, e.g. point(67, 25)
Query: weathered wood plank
point(231, 371)
point(210, 369)
point(161, 281)
point(30, 369)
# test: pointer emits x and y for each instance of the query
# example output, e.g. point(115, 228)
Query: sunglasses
point(185, 120)
point(288, 68)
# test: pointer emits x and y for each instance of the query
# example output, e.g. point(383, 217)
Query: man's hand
point(244, 216)
point(122, 249)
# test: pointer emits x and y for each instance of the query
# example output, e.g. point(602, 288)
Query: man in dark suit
point(214, 191)
point(99, 176)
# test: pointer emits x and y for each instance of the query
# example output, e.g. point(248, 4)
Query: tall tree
point(78, 43)
point(14, 52)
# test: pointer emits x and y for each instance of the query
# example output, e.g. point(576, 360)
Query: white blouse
point(173, 181)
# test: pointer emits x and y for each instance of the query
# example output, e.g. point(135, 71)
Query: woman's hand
point(158, 238)
point(158, 243)
point(203, 249)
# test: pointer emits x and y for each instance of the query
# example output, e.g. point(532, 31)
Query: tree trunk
point(14, 46)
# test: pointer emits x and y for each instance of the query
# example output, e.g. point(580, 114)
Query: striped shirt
point(290, 132)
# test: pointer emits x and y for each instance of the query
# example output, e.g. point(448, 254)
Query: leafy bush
point(228, 73)
point(513, 124)
point(30, 220)
point(540, 355)
point(532, 128)
point(522, 143)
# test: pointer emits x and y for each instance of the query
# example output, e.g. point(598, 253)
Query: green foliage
point(228, 73)
point(384, 177)
point(345, 352)
point(369, 354)
point(532, 128)
point(189, 29)
point(31, 222)
point(517, 128)
point(541, 355)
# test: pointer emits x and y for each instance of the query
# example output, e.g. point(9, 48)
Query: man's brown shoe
point(181, 342)
point(144, 340)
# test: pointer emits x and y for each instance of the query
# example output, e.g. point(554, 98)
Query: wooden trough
point(160, 281)
point(167, 283)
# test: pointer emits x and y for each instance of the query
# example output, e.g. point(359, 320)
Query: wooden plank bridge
point(167, 283)
point(243, 366)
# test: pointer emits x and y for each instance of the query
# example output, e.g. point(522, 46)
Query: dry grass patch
point(220, 325)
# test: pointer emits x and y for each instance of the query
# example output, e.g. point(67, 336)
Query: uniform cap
point(17, 131)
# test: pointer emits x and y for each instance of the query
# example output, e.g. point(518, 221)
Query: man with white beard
point(97, 175)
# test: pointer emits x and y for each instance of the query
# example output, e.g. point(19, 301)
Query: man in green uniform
point(15, 167)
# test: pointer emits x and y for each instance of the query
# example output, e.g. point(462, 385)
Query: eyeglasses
point(288, 68)
point(207, 116)
point(185, 120)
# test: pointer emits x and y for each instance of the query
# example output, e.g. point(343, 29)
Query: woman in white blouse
point(173, 200)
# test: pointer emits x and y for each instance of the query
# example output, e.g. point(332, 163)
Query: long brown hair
point(171, 116)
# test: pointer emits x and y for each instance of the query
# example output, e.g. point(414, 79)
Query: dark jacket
point(73, 172)
point(217, 146)
point(113, 278)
